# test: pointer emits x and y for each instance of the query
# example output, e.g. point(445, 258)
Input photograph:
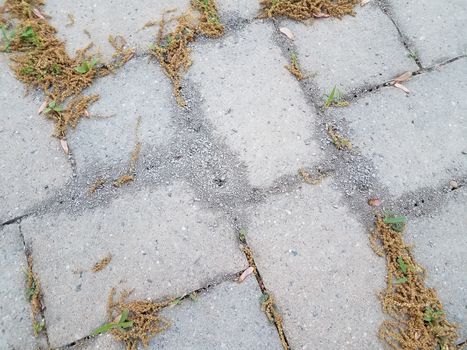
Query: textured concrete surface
point(163, 244)
point(316, 260)
point(32, 163)
point(433, 28)
point(246, 9)
point(16, 330)
point(351, 53)
point(270, 132)
point(445, 231)
point(115, 17)
point(418, 139)
point(109, 138)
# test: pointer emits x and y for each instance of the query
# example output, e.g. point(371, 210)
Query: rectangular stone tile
point(245, 9)
point(163, 243)
point(315, 259)
point(437, 29)
point(418, 139)
point(32, 164)
point(137, 90)
point(104, 18)
point(352, 52)
point(16, 330)
point(440, 246)
point(254, 103)
point(227, 316)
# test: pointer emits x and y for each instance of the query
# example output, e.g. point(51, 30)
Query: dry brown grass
point(305, 9)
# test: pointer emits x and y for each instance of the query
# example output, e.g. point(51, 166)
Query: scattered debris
point(397, 82)
point(102, 264)
point(453, 185)
point(122, 180)
point(96, 185)
point(374, 202)
point(245, 274)
point(287, 32)
point(335, 99)
point(269, 308)
point(309, 179)
point(134, 322)
point(301, 10)
point(341, 143)
point(417, 317)
point(64, 144)
point(294, 67)
point(34, 296)
point(71, 20)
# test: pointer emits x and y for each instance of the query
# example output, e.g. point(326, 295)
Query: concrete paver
point(440, 246)
point(163, 244)
point(316, 260)
point(110, 140)
point(433, 27)
point(418, 139)
point(16, 330)
point(32, 164)
point(246, 9)
point(352, 52)
point(270, 132)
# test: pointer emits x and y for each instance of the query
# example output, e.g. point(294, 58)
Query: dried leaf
point(403, 77)
point(245, 274)
point(64, 145)
point(321, 15)
point(402, 87)
point(364, 2)
point(86, 113)
point(38, 13)
point(42, 107)
point(374, 202)
point(287, 32)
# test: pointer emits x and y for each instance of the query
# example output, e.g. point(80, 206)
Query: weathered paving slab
point(32, 164)
point(440, 245)
point(417, 139)
point(352, 52)
point(315, 258)
point(162, 241)
point(245, 9)
point(101, 19)
point(227, 316)
point(436, 28)
point(270, 130)
point(110, 138)
point(16, 330)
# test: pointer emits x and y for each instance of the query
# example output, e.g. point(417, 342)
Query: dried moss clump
point(210, 24)
point(34, 296)
point(418, 320)
point(268, 307)
point(294, 67)
point(102, 264)
point(305, 9)
point(41, 61)
point(145, 318)
point(341, 143)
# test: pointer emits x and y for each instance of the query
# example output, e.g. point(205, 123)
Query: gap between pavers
point(163, 243)
point(418, 139)
point(136, 90)
point(123, 18)
point(440, 242)
point(32, 164)
point(15, 321)
point(255, 105)
point(352, 52)
point(437, 29)
point(227, 316)
point(315, 258)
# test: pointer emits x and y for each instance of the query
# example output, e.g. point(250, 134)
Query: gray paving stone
point(228, 316)
point(246, 9)
point(137, 90)
point(414, 140)
point(15, 321)
point(440, 245)
point(256, 106)
point(32, 164)
point(316, 260)
point(162, 241)
point(101, 19)
point(352, 52)
point(433, 27)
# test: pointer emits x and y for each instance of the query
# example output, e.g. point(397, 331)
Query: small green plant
point(242, 235)
point(38, 327)
point(7, 36)
point(397, 223)
point(86, 66)
point(403, 266)
point(413, 55)
point(29, 36)
point(335, 99)
point(52, 106)
point(175, 302)
point(432, 315)
point(122, 324)
point(31, 290)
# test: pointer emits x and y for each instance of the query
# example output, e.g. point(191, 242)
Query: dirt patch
point(417, 317)
point(306, 9)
